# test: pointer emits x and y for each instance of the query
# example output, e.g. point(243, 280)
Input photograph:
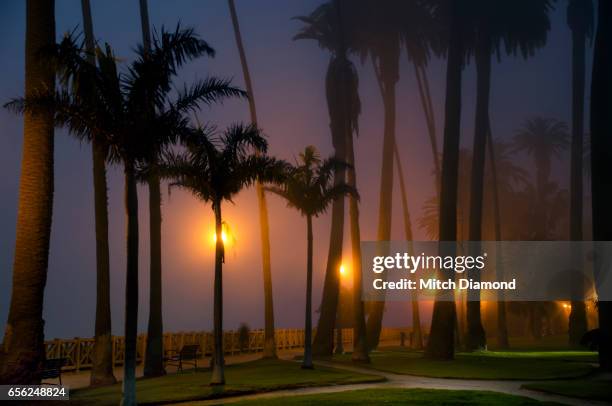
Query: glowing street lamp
point(226, 235)
point(342, 269)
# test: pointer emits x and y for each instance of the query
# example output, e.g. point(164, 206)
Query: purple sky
point(288, 79)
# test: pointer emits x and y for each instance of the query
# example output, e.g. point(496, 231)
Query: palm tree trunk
point(360, 348)
point(131, 287)
point(416, 316)
point(323, 344)
point(102, 360)
point(144, 24)
point(577, 316)
point(269, 350)
point(387, 85)
point(476, 338)
point(218, 362)
point(23, 346)
point(601, 162)
point(502, 324)
point(441, 340)
point(154, 357)
point(307, 362)
point(425, 96)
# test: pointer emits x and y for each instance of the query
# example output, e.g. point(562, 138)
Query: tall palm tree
point(601, 161)
point(102, 360)
point(310, 188)
point(380, 22)
point(325, 26)
point(385, 26)
point(215, 169)
point(544, 139)
point(441, 339)
point(580, 20)
point(269, 350)
point(154, 357)
point(23, 350)
point(521, 26)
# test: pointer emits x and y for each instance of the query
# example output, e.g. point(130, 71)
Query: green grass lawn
point(556, 342)
point(579, 388)
point(249, 377)
point(422, 397)
point(485, 364)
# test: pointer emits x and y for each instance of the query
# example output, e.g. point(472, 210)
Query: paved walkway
point(409, 381)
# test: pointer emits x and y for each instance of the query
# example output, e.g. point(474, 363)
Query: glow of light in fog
point(223, 237)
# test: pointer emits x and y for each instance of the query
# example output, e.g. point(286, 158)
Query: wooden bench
point(52, 369)
point(187, 355)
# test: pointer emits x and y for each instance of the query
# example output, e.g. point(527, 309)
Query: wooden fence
point(79, 351)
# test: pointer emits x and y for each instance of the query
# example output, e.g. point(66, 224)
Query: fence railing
point(78, 352)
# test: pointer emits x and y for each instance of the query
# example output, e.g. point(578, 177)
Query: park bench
point(52, 369)
point(187, 355)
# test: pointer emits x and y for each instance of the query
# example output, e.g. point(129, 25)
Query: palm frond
point(208, 91)
point(239, 138)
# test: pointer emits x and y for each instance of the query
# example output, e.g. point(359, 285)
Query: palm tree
point(269, 350)
point(310, 188)
point(154, 358)
point(601, 161)
point(544, 139)
point(380, 22)
point(23, 350)
point(441, 340)
point(325, 26)
point(522, 26)
point(580, 21)
point(215, 169)
point(102, 360)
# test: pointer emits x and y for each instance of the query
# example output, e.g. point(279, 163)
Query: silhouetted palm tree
point(328, 26)
point(269, 350)
point(544, 139)
point(102, 359)
point(215, 169)
point(325, 25)
point(154, 355)
point(580, 20)
point(380, 40)
point(310, 187)
point(441, 339)
point(23, 350)
point(601, 162)
point(521, 26)
point(159, 62)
